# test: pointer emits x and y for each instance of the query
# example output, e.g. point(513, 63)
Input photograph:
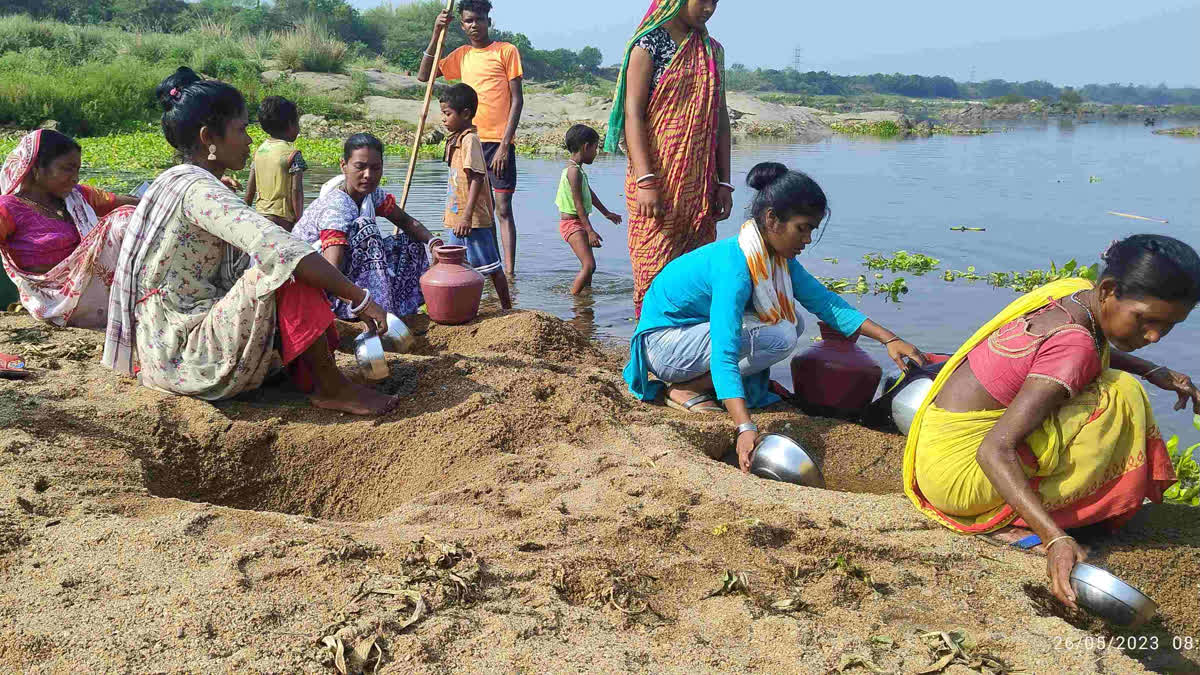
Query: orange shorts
point(569, 225)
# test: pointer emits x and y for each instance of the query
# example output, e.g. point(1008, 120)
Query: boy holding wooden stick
point(493, 70)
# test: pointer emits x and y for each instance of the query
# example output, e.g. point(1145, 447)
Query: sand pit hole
point(869, 463)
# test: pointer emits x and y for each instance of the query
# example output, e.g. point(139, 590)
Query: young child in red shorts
point(575, 201)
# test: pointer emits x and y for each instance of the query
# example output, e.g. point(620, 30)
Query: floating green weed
point(1024, 282)
point(955, 275)
point(917, 263)
point(859, 287)
point(892, 290)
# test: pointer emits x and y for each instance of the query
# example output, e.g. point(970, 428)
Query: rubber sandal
point(693, 404)
point(13, 367)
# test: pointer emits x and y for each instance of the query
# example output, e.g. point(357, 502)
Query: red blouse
point(1066, 355)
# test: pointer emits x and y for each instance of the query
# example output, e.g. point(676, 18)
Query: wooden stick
point(412, 161)
point(1130, 215)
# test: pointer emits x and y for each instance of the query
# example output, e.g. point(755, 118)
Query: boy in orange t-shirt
point(493, 70)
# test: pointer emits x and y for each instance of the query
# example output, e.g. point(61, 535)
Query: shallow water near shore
point(1031, 186)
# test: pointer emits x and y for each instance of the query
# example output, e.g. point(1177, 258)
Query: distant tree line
point(397, 33)
point(815, 83)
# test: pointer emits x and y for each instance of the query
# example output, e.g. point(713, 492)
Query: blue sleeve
point(731, 292)
point(827, 305)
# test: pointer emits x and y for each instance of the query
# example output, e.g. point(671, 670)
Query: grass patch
point(310, 47)
point(878, 129)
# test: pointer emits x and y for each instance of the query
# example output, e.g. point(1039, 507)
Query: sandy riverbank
point(538, 517)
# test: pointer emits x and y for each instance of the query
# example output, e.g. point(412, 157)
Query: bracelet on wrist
point(744, 427)
point(1148, 373)
point(1056, 540)
point(894, 339)
point(647, 177)
point(727, 185)
point(362, 305)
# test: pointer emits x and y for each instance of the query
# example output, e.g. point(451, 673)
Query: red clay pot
point(835, 377)
point(452, 288)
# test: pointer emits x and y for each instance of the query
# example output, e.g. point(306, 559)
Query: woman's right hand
point(1060, 561)
point(649, 203)
point(745, 449)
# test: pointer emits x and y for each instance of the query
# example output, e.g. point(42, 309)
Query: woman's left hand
point(724, 204)
point(1179, 383)
point(901, 349)
point(231, 183)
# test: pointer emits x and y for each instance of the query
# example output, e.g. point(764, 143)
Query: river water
point(1041, 190)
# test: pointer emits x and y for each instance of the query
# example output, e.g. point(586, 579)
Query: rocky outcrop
point(382, 108)
point(751, 116)
point(869, 117)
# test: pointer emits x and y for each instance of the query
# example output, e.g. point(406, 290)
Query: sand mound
point(519, 511)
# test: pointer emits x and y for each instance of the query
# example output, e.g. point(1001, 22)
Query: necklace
point(1091, 319)
point(58, 213)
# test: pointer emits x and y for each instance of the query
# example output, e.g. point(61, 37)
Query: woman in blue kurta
point(718, 318)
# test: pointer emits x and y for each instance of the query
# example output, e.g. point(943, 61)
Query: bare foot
point(354, 399)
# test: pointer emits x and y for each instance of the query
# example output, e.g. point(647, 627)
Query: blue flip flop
point(1026, 543)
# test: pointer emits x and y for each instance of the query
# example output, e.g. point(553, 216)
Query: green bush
point(88, 99)
point(310, 47)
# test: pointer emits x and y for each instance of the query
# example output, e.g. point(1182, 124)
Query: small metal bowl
point(1107, 596)
point(778, 457)
point(908, 401)
point(368, 351)
point(398, 338)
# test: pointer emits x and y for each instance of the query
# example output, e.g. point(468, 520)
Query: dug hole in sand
point(518, 512)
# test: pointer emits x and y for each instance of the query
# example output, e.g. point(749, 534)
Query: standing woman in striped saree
point(670, 111)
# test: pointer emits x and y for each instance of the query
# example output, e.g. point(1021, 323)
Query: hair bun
point(171, 89)
point(764, 174)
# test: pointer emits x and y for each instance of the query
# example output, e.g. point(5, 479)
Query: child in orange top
point(493, 70)
point(469, 197)
point(575, 200)
point(276, 185)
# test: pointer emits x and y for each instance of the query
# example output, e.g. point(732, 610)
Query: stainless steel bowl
point(778, 457)
point(398, 337)
point(368, 350)
point(908, 400)
point(1110, 598)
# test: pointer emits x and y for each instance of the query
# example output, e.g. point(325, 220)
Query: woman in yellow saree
point(670, 111)
point(1037, 423)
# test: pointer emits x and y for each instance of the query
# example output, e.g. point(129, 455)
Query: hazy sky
point(847, 37)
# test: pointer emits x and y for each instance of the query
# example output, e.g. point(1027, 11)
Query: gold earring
point(212, 153)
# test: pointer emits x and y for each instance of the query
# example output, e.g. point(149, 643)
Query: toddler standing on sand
point(469, 205)
point(575, 201)
point(276, 185)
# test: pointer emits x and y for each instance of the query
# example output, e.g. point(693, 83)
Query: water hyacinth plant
point(1187, 490)
point(917, 263)
point(1024, 282)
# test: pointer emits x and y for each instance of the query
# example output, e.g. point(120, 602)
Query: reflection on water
point(1028, 186)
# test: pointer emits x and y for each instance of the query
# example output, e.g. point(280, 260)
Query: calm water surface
point(1030, 187)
